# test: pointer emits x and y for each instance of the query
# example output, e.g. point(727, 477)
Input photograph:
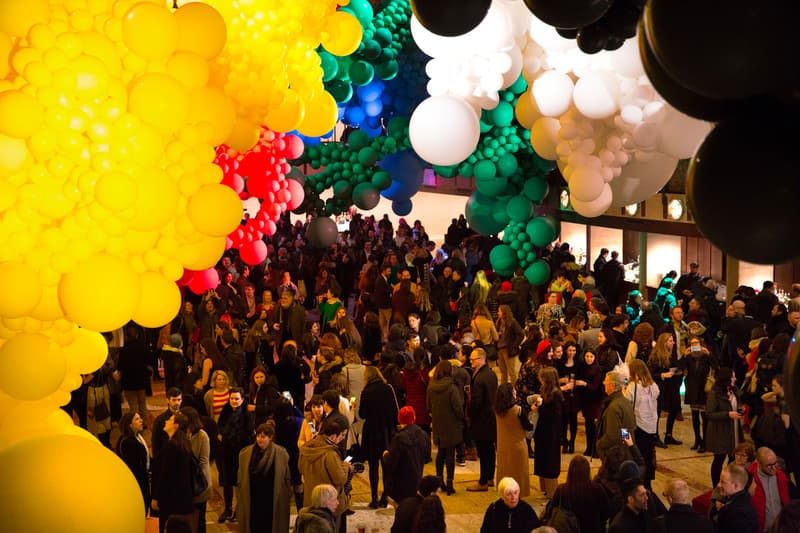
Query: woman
point(288, 421)
point(353, 372)
point(483, 330)
point(312, 421)
point(404, 302)
point(217, 397)
point(509, 513)
point(608, 353)
point(310, 343)
point(547, 435)
point(583, 497)
point(320, 517)
point(641, 343)
point(326, 364)
point(430, 517)
point(562, 287)
point(344, 327)
point(415, 382)
point(172, 472)
point(643, 394)
point(265, 308)
point(509, 338)
point(445, 402)
point(699, 363)
point(549, 311)
point(98, 406)
point(371, 337)
point(479, 290)
point(528, 380)
point(201, 449)
point(328, 306)
point(590, 397)
point(264, 489)
point(722, 410)
point(512, 425)
point(257, 345)
point(378, 410)
point(212, 361)
point(292, 373)
point(567, 367)
point(132, 448)
point(668, 377)
point(262, 396)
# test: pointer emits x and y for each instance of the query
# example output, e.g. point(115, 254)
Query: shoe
point(660, 443)
point(450, 489)
point(373, 504)
point(233, 517)
point(490, 483)
point(471, 455)
point(477, 487)
point(383, 502)
point(701, 448)
point(668, 439)
point(461, 462)
point(695, 446)
point(679, 417)
point(348, 512)
point(587, 453)
point(225, 516)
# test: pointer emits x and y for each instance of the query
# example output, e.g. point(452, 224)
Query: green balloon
point(367, 156)
point(342, 188)
point(516, 245)
point(554, 223)
point(388, 71)
point(538, 273)
point(519, 209)
point(341, 90)
point(484, 170)
point(397, 127)
point(383, 36)
point(479, 211)
point(381, 179)
point(361, 72)
point(531, 257)
point(540, 231)
point(485, 126)
point(466, 169)
point(507, 164)
point(491, 186)
point(503, 114)
point(362, 10)
point(445, 172)
point(330, 67)
point(519, 86)
point(357, 140)
point(535, 189)
point(372, 49)
point(504, 259)
point(366, 196)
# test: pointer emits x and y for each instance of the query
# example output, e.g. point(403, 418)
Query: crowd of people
point(382, 351)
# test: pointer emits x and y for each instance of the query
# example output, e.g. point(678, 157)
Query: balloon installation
point(450, 18)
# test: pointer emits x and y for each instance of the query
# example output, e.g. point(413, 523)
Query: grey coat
point(445, 403)
point(282, 488)
point(722, 429)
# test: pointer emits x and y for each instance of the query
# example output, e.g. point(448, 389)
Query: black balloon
point(678, 96)
point(322, 232)
point(743, 186)
point(593, 37)
point(567, 33)
point(450, 18)
point(568, 13)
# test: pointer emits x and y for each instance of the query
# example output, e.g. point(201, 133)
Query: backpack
point(560, 517)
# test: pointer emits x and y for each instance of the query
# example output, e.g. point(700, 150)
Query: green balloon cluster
point(521, 241)
point(349, 168)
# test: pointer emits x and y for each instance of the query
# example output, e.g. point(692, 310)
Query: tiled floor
point(464, 510)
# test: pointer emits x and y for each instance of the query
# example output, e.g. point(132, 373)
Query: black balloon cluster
point(706, 61)
point(450, 18)
point(595, 24)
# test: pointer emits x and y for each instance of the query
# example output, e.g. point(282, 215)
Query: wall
point(663, 255)
point(600, 237)
point(575, 235)
point(755, 275)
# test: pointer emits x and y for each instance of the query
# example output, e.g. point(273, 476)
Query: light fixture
point(675, 209)
point(564, 198)
point(632, 209)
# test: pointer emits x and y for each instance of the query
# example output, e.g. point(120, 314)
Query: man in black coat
point(631, 518)
point(405, 458)
point(737, 326)
point(382, 296)
point(409, 507)
point(683, 288)
point(483, 424)
point(737, 515)
point(290, 318)
point(681, 516)
point(174, 400)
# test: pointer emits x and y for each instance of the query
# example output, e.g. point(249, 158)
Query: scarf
point(262, 460)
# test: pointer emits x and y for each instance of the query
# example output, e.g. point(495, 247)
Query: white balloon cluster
point(614, 138)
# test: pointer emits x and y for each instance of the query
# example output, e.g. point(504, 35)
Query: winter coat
point(547, 436)
point(404, 462)
point(281, 491)
point(378, 410)
point(721, 435)
point(315, 520)
point(320, 462)
point(617, 414)
point(481, 408)
point(512, 452)
point(698, 367)
point(445, 403)
point(416, 384)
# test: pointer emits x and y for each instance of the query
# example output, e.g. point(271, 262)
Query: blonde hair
point(218, 373)
point(640, 372)
point(661, 355)
point(322, 494)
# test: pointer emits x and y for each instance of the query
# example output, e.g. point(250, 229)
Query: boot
point(450, 489)
point(669, 439)
point(298, 500)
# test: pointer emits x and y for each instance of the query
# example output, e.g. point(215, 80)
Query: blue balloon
point(374, 108)
point(371, 91)
point(355, 116)
point(402, 208)
point(406, 169)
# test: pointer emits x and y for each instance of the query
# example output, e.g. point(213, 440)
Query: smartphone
point(287, 395)
point(348, 458)
point(625, 433)
point(695, 347)
point(352, 400)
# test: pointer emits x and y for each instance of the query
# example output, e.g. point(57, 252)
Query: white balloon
point(654, 112)
point(544, 137)
point(548, 38)
point(626, 60)
point(631, 114)
point(645, 135)
point(511, 74)
point(640, 180)
point(586, 184)
point(444, 130)
point(552, 92)
point(431, 44)
point(680, 135)
point(520, 17)
point(595, 96)
point(596, 207)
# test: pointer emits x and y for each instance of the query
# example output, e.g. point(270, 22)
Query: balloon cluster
point(519, 249)
point(595, 24)
point(270, 70)
point(108, 191)
point(749, 153)
point(350, 169)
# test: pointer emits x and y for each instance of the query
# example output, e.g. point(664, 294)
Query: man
point(290, 318)
point(132, 365)
point(617, 413)
point(789, 324)
point(737, 326)
point(174, 400)
point(330, 409)
point(174, 366)
point(620, 325)
point(772, 487)
point(483, 424)
point(408, 509)
point(404, 460)
point(234, 357)
point(737, 514)
point(600, 262)
point(612, 279)
point(287, 284)
point(382, 296)
point(764, 302)
point(631, 518)
point(683, 288)
point(680, 517)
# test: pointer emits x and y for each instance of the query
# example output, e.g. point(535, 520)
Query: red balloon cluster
point(260, 173)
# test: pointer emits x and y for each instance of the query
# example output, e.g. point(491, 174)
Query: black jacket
point(499, 517)
point(681, 517)
point(627, 521)
point(403, 465)
point(736, 516)
point(405, 514)
point(172, 480)
point(483, 423)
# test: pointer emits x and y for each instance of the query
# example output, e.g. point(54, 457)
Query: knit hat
point(406, 415)
point(506, 286)
point(542, 348)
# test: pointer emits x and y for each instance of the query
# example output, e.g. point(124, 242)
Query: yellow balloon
point(101, 294)
point(189, 69)
point(141, 241)
point(159, 100)
point(20, 114)
point(32, 366)
point(35, 471)
point(87, 352)
point(289, 115)
point(48, 308)
point(210, 105)
point(150, 31)
point(13, 154)
point(32, 420)
point(17, 16)
point(156, 201)
point(343, 34)
point(160, 302)
point(526, 111)
point(215, 210)
point(116, 190)
point(20, 287)
point(201, 254)
point(5, 50)
point(244, 136)
point(201, 29)
point(321, 115)
point(91, 78)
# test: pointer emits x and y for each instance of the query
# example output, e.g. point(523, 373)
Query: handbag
point(710, 379)
point(101, 411)
point(560, 518)
point(199, 481)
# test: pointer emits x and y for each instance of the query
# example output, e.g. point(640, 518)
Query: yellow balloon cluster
point(269, 67)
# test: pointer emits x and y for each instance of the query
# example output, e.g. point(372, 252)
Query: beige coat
point(320, 463)
point(512, 452)
point(283, 490)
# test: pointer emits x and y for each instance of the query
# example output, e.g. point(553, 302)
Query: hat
point(406, 415)
point(506, 286)
point(696, 329)
point(628, 470)
point(542, 347)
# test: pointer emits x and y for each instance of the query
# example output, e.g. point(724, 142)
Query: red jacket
point(759, 498)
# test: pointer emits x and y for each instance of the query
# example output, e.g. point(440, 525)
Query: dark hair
point(617, 320)
point(227, 337)
point(430, 484)
point(181, 436)
point(267, 428)
point(331, 397)
point(174, 392)
point(253, 387)
point(178, 524)
point(125, 426)
point(504, 399)
point(722, 381)
point(234, 390)
point(195, 424)
point(333, 426)
point(444, 369)
point(430, 517)
point(579, 481)
point(371, 319)
point(781, 342)
point(630, 486)
point(433, 317)
point(316, 400)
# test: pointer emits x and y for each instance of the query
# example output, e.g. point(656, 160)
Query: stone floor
point(464, 510)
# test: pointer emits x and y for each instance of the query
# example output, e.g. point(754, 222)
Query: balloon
point(253, 253)
point(762, 173)
point(552, 93)
point(343, 34)
point(215, 210)
point(544, 137)
point(595, 207)
point(450, 18)
point(596, 96)
point(479, 211)
point(297, 194)
point(35, 471)
point(538, 273)
point(519, 209)
point(87, 352)
point(681, 135)
point(444, 130)
point(160, 301)
point(31, 366)
point(535, 189)
point(366, 196)
point(568, 13)
point(585, 184)
point(402, 208)
point(204, 280)
point(406, 170)
point(540, 231)
point(20, 114)
point(322, 232)
point(150, 31)
point(503, 259)
point(21, 289)
point(640, 180)
point(201, 29)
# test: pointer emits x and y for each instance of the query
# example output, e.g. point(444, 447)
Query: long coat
point(481, 409)
point(698, 368)
point(378, 410)
point(547, 461)
point(172, 480)
point(404, 462)
point(447, 411)
point(512, 452)
point(721, 435)
point(281, 491)
point(320, 462)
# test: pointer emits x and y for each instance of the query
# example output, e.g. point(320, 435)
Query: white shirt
point(646, 406)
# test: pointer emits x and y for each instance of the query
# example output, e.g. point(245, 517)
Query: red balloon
point(297, 194)
point(186, 278)
point(204, 280)
point(253, 253)
point(294, 147)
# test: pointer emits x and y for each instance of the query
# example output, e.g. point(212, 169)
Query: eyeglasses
point(771, 465)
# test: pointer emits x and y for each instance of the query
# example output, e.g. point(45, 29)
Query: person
point(201, 449)
point(132, 366)
point(681, 516)
point(509, 512)
point(264, 488)
point(668, 376)
point(771, 487)
point(567, 367)
point(174, 365)
point(699, 364)
point(612, 279)
point(788, 520)
point(312, 421)
point(547, 435)
point(174, 399)
point(590, 397)
point(722, 410)
point(642, 392)
point(378, 409)
point(430, 517)
point(549, 311)
point(382, 296)
point(132, 449)
point(583, 497)
point(263, 396)
point(510, 337)
point(737, 513)
point(641, 343)
point(415, 382)
point(290, 319)
point(631, 519)
point(321, 463)
point(600, 262)
point(409, 507)
point(482, 421)
point(320, 515)
point(609, 354)
point(235, 432)
point(445, 403)
point(172, 472)
point(512, 425)
point(332, 408)
point(617, 413)
point(292, 373)
point(216, 398)
point(403, 462)
point(483, 329)
point(328, 306)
